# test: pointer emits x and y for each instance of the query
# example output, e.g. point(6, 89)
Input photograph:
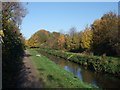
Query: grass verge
point(101, 64)
point(54, 76)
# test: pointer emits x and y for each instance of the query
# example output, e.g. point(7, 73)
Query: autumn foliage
point(102, 37)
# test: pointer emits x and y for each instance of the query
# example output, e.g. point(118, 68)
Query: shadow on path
point(28, 77)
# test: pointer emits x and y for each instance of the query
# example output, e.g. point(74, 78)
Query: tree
point(54, 38)
point(39, 38)
point(13, 46)
point(105, 34)
point(61, 41)
point(72, 40)
point(14, 11)
point(86, 38)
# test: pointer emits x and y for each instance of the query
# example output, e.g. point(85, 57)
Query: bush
point(96, 63)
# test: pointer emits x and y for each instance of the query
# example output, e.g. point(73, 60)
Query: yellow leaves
point(86, 38)
point(61, 40)
point(2, 33)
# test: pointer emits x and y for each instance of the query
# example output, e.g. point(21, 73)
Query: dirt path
point(28, 75)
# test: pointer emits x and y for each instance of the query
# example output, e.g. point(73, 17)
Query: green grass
point(105, 64)
point(54, 76)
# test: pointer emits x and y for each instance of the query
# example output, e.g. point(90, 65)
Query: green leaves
point(13, 46)
point(97, 63)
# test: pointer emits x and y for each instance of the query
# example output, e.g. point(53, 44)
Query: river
point(97, 79)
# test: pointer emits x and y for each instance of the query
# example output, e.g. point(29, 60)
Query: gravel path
point(28, 77)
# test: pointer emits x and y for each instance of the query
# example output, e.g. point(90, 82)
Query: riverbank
point(101, 64)
point(52, 76)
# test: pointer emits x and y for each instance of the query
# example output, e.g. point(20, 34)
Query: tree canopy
point(102, 37)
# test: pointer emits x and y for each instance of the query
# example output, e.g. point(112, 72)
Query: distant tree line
point(102, 37)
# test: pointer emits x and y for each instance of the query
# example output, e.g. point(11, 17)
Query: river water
point(97, 79)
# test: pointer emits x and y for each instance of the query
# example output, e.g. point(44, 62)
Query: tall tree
point(39, 38)
point(61, 41)
point(13, 46)
point(72, 40)
point(105, 34)
point(86, 38)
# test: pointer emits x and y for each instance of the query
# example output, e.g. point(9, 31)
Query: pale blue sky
point(62, 16)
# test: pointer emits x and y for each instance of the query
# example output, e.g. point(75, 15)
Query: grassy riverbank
point(53, 76)
point(96, 63)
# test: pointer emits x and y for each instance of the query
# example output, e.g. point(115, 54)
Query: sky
point(61, 16)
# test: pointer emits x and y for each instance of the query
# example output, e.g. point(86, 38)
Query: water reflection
point(100, 80)
point(79, 74)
